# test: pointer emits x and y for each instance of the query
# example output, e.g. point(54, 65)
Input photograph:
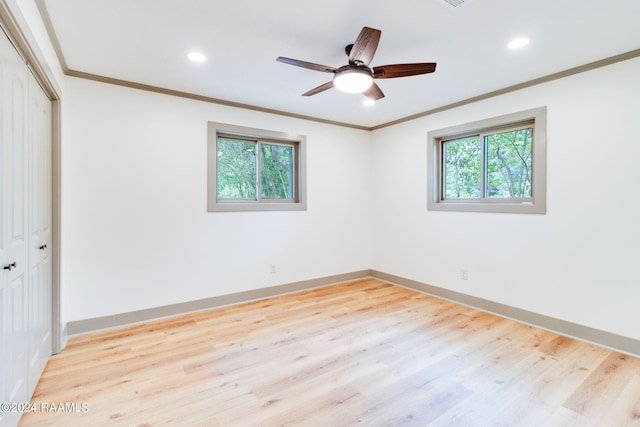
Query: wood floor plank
point(626, 410)
point(604, 386)
point(358, 353)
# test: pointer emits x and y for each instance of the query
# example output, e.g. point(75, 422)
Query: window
point(254, 170)
point(495, 165)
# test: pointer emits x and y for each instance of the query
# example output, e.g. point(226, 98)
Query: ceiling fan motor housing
point(347, 49)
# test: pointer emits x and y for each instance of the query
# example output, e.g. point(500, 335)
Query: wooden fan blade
point(374, 92)
point(308, 65)
point(403, 70)
point(319, 89)
point(365, 46)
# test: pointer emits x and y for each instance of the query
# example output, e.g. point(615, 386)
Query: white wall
point(136, 231)
point(580, 261)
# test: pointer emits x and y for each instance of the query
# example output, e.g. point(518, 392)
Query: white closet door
point(39, 313)
point(14, 229)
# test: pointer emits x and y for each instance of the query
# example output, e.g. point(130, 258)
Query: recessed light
point(369, 102)
point(196, 57)
point(518, 43)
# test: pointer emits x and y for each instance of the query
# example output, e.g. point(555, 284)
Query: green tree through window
point(509, 164)
point(239, 167)
point(496, 165)
point(236, 169)
point(462, 168)
point(276, 172)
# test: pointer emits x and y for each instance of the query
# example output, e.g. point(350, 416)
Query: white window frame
point(214, 204)
point(536, 204)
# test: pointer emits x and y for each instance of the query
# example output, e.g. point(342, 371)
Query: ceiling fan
point(357, 76)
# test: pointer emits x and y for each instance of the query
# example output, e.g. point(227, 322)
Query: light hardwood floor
point(361, 353)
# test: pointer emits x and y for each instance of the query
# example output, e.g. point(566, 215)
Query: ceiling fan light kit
point(357, 77)
point(353, 80)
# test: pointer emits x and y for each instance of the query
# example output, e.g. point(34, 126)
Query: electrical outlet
point(273, 268)
point(464, 274)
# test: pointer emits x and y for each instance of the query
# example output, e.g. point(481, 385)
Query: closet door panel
point(14, 271)
point(39, 231)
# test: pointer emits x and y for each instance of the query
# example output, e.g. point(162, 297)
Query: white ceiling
point(146, 41)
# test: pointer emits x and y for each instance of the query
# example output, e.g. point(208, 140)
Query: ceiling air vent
point(455, 4)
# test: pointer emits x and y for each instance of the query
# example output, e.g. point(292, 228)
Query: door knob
point(10, 266)
point(43, 247)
